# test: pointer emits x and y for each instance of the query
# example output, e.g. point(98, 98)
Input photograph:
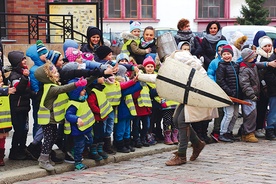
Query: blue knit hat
point(53, 56)
point(134, 25)
point(40, 47)
point(75, 94)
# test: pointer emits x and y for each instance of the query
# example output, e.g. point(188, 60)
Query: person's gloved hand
point(164, 105)
point(81, 82)
point(7, 68)
point(255, 98)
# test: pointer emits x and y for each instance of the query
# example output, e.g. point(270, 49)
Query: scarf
point(145, 44)
point(184, 35)
point(214, 38)
point(261, 52)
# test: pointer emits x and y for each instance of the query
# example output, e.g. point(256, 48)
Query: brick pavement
point(219, 163)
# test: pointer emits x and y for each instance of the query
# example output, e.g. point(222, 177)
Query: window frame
point(123, 17)
point(201, 10)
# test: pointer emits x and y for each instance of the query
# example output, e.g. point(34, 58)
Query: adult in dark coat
point(184, 33)
point(210, 41)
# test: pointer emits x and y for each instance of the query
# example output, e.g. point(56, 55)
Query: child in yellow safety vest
point(5, 117)
point(79, 123)
point(52, 108)
point(101, 108)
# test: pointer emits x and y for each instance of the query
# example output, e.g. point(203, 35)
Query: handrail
point(31, 27)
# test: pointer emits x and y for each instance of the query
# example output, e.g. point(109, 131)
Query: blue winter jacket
point(211, 72)
point(32, 53)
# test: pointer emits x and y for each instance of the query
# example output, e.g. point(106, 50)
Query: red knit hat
point(148, 60)
point(227, 48)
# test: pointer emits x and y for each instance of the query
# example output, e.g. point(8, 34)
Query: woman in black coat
point(210, 41)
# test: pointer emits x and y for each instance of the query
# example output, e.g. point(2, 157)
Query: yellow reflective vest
point(5, 115)
point(130, 104)
point(103, 103)
point(144, 98)
point(84, 112)
point(124, 47)
point(113, 93)
point(59, 107)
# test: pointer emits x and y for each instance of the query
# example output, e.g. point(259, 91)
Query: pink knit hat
point(148, 60)
point(72, 54)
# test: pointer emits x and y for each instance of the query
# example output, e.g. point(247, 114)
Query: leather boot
point(128, 146)
point(167, 137)
point(175, 136)
point(197, 148)
point(107, 147)
point(178, 159)
point(2, 154)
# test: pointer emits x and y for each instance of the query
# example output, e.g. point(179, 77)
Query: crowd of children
point(86, 99)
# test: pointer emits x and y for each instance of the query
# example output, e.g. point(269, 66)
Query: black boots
point(107, 146)
point(120, 145)
point(269, 134)
point(17, 153)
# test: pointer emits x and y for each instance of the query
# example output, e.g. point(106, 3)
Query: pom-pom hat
point(134, 25)
point(40, 47)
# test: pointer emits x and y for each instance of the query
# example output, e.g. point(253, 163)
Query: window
point(130, 9)
point(271, 6)
point(114, 9)
point(211, 9)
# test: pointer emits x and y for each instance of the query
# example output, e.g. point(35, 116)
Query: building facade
point(156, 13)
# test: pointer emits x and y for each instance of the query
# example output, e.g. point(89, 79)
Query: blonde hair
point(48, 67)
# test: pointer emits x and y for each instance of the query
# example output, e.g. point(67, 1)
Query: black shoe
point(17, 154)
point(34, 151)
point(224, 139)
point(145, 143)
point(269, 134)
point(69, 158)
point(138, 144)
point(231, 136)
point(123, 150)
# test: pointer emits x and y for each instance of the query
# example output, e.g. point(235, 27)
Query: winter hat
point(75, 94)
point(227, 48)
point(40, 47)
point(103, 51)
point(247, 54)
point(69, 43)
point(122, 71)
point(148, 60)
point(122, 56)
point(87, 56)
point(91, 31)
point(265, 40)
point(257, 36)
point(53, 56)
point(134, 25)
point(72, 54)
point(70, 66)
point(15, 57)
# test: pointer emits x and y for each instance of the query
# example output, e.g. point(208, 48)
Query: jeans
point(79, 143)
point(122, 129)
point(137, 131)
point(231, 114)
point(271, 117)
point(109, 124)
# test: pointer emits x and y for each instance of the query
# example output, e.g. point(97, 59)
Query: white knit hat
point(265, 40)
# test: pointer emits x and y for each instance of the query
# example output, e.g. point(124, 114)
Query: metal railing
point(27, 28)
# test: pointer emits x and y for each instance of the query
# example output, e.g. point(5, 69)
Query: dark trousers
point(20, 123)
